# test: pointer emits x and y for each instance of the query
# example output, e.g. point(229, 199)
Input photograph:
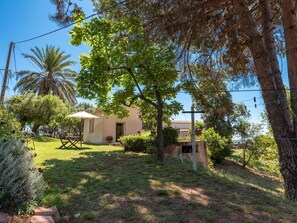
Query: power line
point(244, 90)
point(70, 24)
point(15, 65)
point(29, 59)
point(247, 100)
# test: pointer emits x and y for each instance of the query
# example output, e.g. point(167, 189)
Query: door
point(120, 130)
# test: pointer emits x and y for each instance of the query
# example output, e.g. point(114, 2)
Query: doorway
point(120, 130)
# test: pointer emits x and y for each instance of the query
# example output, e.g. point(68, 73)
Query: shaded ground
point(114, 186)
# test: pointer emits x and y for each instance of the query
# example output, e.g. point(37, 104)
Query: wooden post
point(193, 138)
point(4, 84)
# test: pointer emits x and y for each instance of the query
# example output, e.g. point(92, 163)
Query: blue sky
point(31, 18)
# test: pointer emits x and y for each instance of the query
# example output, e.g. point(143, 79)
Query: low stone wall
point(184, 150)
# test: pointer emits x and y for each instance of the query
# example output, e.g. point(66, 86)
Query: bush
point(262, 154)
point(218, 146)
point(170, 136)
point(199, 125)
point(109, 138)
point(139, 143)
point(9, 127)
point(20, 182)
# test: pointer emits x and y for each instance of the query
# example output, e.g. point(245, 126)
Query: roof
point(184, 130)
point(181, 122)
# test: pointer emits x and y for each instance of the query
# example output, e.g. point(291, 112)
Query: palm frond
point(54, 76)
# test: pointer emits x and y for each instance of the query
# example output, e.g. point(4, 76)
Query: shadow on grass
point(39, 138)
point(78, 148)
point(236, 157)
point(244, 175)
point(127, 187)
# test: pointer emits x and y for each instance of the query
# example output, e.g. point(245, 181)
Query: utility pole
point(193, 138)
point(193, 135)
point(4, 84)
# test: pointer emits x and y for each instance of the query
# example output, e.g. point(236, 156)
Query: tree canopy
point(36, 111)
point(53, 77)
point(124, 68)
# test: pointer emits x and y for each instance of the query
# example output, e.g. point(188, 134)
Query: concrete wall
point(201, 156)
point(106, 126)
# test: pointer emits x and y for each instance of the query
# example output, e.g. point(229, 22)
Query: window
point(91, 126)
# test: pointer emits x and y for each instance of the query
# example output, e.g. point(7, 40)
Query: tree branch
point(131, 102)
point(142, 96)
point(158, 95)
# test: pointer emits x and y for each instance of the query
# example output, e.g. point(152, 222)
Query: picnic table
point(69, 142)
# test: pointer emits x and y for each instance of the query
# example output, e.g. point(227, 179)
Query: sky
point(31, 18)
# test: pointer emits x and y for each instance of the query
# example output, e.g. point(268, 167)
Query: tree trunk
point(288, 166)
point(243, 156)
point(274, 94)
point(287, 149)
point(290, 32)
point(160, 138)
point(35, 128)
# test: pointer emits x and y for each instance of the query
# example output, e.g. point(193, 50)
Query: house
point(96, 130)
point(182, 126)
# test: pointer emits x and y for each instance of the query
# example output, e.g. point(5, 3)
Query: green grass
point(105, 184)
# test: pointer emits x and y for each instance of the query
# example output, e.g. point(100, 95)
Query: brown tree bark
point(290, 33)
point(160, 138)
point(35, 128)
point(274, 94)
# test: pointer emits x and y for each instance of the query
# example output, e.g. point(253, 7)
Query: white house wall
point(96, 136)
point(132, 125)
point(109, 127)
point(106, 126)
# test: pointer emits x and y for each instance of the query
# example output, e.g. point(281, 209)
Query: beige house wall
point(106, 126)
point(94, 137)
point(180, 124)
point(183, 127)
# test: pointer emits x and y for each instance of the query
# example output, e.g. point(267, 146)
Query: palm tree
point(54, 76)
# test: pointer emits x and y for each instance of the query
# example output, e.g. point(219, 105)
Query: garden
point(107, 184)
point(101, 183)
point(147, 60)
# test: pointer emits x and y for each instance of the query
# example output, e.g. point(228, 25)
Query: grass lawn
point(105, 184)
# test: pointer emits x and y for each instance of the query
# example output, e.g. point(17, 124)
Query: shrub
point(9, 127)
point(139, 143)
point(269, 159)
point(199, 125)
point(109, 138)
point(170, 136)
point(261, 153)
point(20, 182)
point(218, 146)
